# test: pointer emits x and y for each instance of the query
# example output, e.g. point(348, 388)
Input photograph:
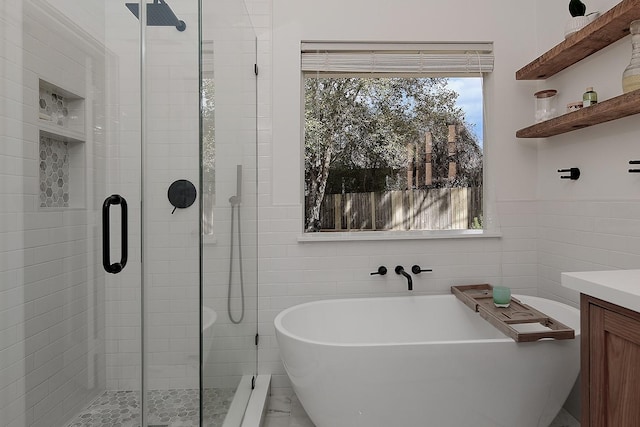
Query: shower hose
point(235, 204)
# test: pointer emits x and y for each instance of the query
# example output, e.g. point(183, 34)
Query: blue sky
point(469, 91)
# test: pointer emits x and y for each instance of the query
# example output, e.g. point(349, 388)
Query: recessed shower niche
point(61, 147)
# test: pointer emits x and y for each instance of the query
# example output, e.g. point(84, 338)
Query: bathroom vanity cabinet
point(610, 346)
point(610, 364)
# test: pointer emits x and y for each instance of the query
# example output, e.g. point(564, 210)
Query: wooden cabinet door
point(614, 368)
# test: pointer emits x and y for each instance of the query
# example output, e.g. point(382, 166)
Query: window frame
point(488, 230)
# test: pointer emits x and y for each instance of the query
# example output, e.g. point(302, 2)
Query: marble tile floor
point(286, 411)
point(167, 408)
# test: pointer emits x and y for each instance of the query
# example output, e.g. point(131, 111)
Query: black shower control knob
point(182, 194)
point(417, 270)
point(382, 270)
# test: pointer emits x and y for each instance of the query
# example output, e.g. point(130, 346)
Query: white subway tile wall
point(51, 319)
point(584, 236)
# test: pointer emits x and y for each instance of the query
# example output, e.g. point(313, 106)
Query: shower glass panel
point(170, 236)
point(229, 208)
point(106, 283)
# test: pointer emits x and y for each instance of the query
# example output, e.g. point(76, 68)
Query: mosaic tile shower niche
point(60, 108)
point(54, 172)
point(53, 107)
point(61, 147)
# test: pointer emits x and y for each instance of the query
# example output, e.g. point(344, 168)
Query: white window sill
point(355, 236)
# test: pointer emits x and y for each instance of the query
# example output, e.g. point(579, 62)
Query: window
point(393, 136)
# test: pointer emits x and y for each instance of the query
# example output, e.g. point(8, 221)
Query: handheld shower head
point(235, 200)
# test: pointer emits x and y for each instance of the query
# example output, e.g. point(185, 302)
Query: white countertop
point(620, 287)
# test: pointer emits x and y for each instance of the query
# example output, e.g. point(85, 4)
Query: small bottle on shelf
point(590, 97)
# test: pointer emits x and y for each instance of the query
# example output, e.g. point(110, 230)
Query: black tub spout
point(400, 270)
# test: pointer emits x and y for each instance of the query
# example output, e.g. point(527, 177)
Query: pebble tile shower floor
point(171, 408)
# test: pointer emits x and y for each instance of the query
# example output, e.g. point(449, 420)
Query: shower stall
point(128, 220)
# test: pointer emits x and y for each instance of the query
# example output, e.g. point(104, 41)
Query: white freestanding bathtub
point(423, 361)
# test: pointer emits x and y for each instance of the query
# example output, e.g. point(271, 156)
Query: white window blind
point(397, 58)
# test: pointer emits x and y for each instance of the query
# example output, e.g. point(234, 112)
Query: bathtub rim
point(282, 330)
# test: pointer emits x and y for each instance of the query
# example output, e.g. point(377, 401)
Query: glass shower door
point(152, 307)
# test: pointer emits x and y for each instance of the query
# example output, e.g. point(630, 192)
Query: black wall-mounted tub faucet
point(400, 270)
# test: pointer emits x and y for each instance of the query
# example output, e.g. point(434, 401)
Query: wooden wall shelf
point(605, 111)
point(608, 28)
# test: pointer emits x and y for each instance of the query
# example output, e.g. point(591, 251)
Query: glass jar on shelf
point(546, 107)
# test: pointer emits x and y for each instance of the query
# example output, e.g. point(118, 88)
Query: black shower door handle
point(117, 267)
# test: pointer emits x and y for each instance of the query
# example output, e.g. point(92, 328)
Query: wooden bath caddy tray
point(479, 298)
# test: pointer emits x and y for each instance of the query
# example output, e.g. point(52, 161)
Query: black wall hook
point(574, 173)
point(634, 162)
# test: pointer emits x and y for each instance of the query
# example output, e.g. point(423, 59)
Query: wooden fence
point(431, 209)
